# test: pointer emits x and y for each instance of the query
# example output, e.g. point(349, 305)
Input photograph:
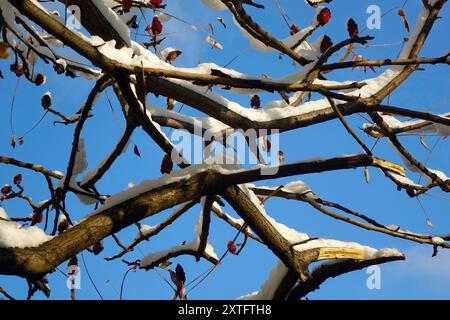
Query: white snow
point(215, 4)
point(437, 241)
point(165, 52)
point(278, 273)
point(208, 123)
point(176, 176)
point(269, 288)
point(396, 124)
point(297, 187)
point(14, 235)
point(81, 163)
point(114, 20)
point(368, 252)
point(289, 234)
point(93, 172)
point(193, 245)
point(405, 180)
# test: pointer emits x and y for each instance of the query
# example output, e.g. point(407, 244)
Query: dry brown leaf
point(4, 50)
point(422, 142)
point(165, 264)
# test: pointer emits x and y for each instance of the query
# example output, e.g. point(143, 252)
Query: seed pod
point(37, 217)
point(39, 79)
point(6, 189)
point(255, 102)
point(46, 100)
point(411, 192)
point(231, 247)
point(352, 28)
point(17, 179)
point(324, 16)
point(294, 29)
point(156, 26)
point(325, 44)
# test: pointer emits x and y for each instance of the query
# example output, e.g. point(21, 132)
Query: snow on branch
point(352, 255)
point(14, 235)
point(199, 247)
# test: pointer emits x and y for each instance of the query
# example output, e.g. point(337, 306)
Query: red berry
point(156, 3)
point(324, 16)
point(231, 247)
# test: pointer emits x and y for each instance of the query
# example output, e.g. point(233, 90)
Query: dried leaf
point(347, 53)
point(166, 165)
point(179, 271)
point(429, 223)
point(72, 294)
point(173, 55)
point(367, 174)
point(211, 27)
point(156, 26)
point(294, 29)
point(214, 43)
point(4, 50)
point(13, 142)
point(325, 44)
point(352, 28)
point(222, 22)
point(136, 151)
point(423, 143)
point(165, 264)
point(401, 13)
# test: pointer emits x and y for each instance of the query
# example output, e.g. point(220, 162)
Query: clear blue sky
point(419, 277)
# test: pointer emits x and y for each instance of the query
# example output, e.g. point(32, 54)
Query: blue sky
point(420, 277)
